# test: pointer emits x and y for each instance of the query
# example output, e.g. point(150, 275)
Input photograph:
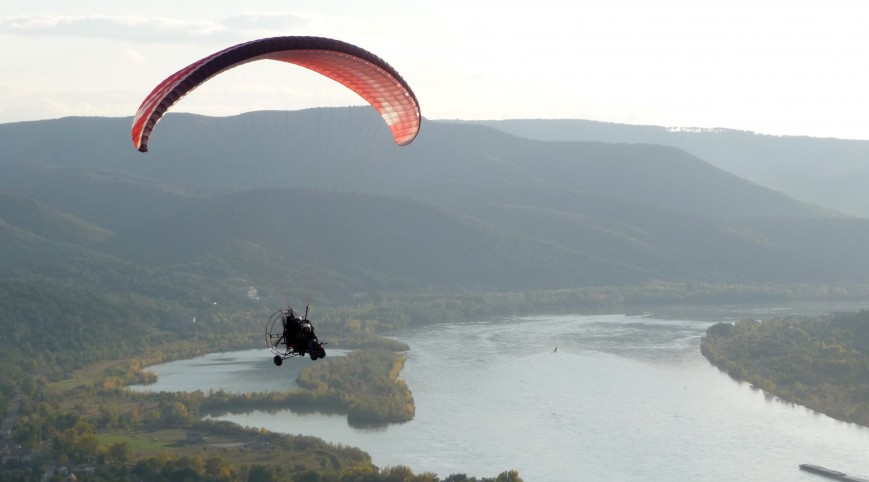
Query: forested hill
point(349, 149)
point(821, 363)
point(829, 172)
point(463, 207)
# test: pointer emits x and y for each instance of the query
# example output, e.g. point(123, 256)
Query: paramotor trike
point(289, 335)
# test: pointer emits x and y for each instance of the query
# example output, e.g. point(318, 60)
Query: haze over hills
point(824, 171)
point(267, 196)
point(343, 149)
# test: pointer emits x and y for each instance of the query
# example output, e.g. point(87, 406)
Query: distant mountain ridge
point(338, 149)
point(824, 171)
point(273, 197)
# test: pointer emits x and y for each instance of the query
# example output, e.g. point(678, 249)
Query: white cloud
point(98, 26)
point(153, 29)
point(133, 56)
point(274, 22)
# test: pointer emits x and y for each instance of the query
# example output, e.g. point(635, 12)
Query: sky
point(791, 67)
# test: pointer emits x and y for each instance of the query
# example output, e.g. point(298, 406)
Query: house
point(15, 455)
point(252, 293)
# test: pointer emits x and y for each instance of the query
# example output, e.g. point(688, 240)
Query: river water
point(624, 397)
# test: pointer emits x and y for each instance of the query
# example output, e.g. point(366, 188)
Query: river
point(624, 397)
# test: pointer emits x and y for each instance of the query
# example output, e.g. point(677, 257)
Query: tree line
point(820, 362)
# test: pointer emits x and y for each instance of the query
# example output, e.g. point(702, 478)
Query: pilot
point(292, 327)
point(306, 335)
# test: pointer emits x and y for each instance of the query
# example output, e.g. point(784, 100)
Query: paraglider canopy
point(359, 70)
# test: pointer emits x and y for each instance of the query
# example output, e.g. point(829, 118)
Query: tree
point(508, 476)
point(118, 451)
point(79, 443)
point(398, 473)
point(262, 473)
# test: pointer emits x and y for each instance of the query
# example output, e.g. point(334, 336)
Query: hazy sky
point(778, 67)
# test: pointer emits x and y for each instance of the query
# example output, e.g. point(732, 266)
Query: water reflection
point(236, 372)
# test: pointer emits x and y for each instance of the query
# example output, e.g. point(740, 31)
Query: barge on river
point(833, 474)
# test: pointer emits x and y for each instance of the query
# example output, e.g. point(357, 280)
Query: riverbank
point(151, 434)
point(819, 362)
point(364, 385)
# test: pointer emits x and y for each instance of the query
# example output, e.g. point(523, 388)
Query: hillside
point(395, 244)
point(32, 233)
point(344, 149)
point(320, 200)
point(823, 171)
